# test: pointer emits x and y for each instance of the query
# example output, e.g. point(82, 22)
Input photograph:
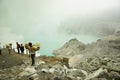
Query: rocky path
point(104, 67)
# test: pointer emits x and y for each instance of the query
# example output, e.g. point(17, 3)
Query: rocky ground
point(104, 67)
point(18, 66)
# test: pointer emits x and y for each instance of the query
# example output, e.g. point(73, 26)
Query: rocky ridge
point(73, 47)
point(100, 60)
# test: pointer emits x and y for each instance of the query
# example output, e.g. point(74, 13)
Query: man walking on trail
point(18, 47)
point(32, 51)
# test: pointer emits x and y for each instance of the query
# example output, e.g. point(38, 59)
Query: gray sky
point(27, 20)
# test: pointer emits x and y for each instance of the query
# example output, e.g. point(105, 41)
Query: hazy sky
point(54, 21)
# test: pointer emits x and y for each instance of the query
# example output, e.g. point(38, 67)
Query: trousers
point(33, 59)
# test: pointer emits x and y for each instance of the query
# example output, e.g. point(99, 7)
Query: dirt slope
point(8, 60)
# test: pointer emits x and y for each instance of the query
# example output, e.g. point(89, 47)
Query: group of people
point(20, 49)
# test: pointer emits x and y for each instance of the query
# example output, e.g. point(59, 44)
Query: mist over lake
point(53, 22)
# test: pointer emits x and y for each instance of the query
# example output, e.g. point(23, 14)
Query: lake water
point(50, 44)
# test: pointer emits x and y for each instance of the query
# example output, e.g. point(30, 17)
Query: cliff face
point(107, 45)
point(96, 61)
point(73, 47)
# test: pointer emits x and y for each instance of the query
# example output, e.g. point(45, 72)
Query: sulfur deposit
point(35, 47)
point(9, 45)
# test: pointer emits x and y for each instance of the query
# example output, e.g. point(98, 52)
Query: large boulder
point(100, 73)
point(27, 71)
point(75, 60)
point(75, 73)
